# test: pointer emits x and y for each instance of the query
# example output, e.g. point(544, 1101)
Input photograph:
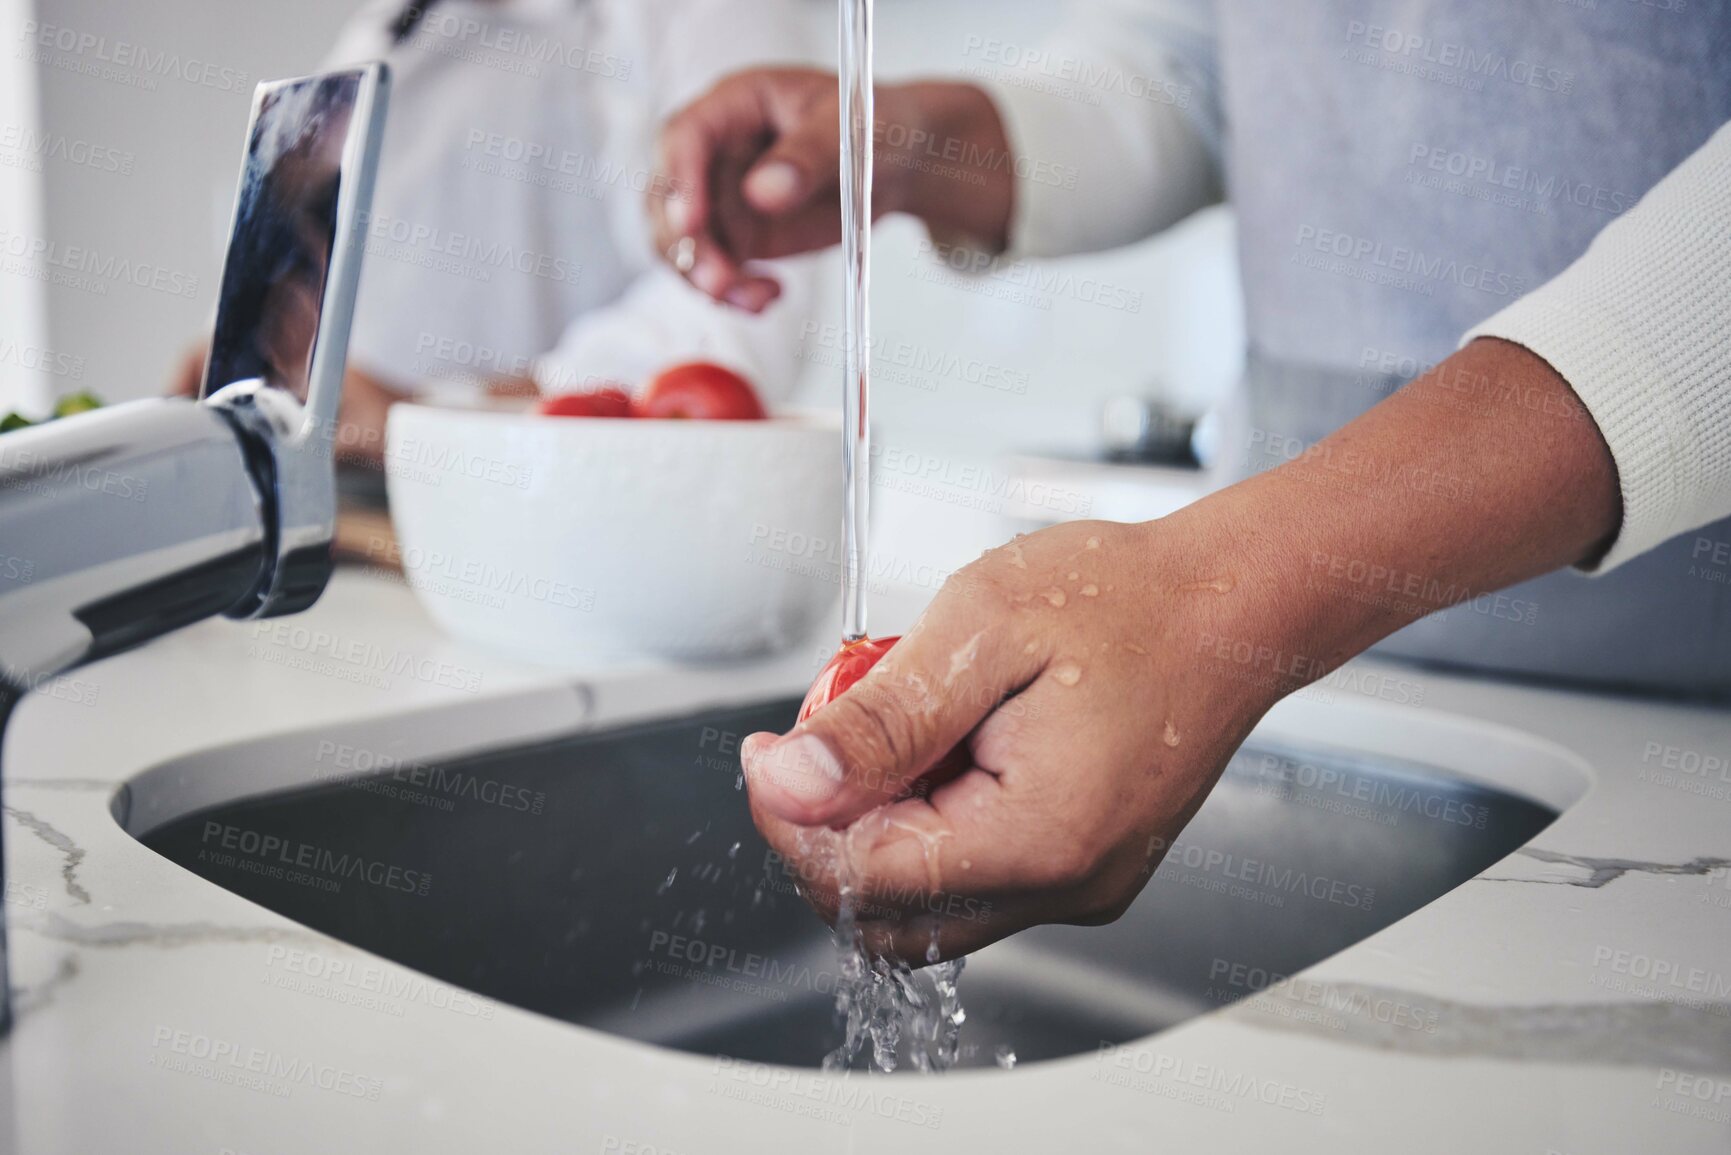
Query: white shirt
point(508, 233)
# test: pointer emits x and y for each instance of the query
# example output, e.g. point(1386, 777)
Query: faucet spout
point(120, 525)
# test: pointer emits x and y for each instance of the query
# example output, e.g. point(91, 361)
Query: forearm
point(943, 156)
point(1485, 472)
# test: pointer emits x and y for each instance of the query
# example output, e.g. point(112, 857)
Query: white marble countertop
point(1574, 998)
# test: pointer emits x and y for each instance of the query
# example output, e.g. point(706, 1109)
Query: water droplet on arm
point(963, 658)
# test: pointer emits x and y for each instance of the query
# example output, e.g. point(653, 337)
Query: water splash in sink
point(884, 1002)
point(890, 1005)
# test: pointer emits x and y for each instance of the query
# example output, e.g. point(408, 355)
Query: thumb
point(802, 164)
point(878, 742)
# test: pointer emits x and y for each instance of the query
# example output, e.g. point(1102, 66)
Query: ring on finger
point(682, 254)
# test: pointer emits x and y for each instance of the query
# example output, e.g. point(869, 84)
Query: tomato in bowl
point(608, 401)
point(694, 391)
point(700, 391)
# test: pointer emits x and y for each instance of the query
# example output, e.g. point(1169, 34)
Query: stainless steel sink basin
point(615, 880)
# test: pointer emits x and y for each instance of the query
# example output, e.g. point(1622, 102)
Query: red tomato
point(851, 663)
point(700, 391)
point(847, 667)
point(606, 402)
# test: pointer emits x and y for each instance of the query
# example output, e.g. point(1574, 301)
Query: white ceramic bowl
point(563, 539)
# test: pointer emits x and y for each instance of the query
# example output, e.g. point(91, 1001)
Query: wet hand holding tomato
point(850, 664)
point(1063, 672)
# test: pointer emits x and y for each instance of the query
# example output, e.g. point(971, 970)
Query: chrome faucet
point(123, 524)
point(127, 523)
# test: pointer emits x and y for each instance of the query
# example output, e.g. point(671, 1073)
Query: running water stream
point(886, 1003)
point(857, 113)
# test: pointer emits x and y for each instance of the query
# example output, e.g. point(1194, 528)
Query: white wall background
point(182, 140)
point(24, 384)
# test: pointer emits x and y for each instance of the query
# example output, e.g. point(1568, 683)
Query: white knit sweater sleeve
point(1115, 123)
point(1640, 327)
